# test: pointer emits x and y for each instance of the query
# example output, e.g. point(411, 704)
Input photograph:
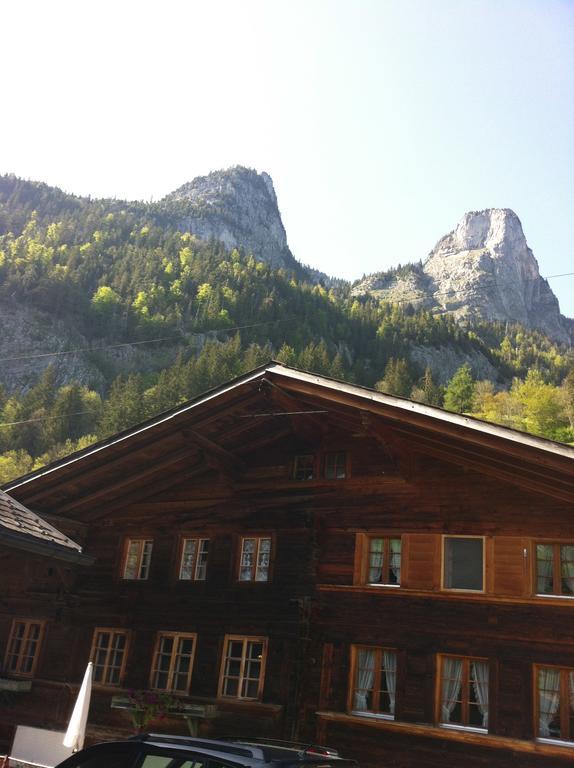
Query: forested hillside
point(113, 273)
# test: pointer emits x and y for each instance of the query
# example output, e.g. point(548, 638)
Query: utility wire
point(146, 341)
point(44, 418)
point(103, 348)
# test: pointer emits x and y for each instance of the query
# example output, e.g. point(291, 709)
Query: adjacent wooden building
point(304, 558)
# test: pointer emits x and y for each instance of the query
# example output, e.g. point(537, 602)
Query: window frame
point(296, 458)
point(465, 689)
point(556, 567)
point(375, 713)
point(347, 474)
point(28, 623)
point(258, 538)
point(176, 636)
point(464, 590)
point(181, 549)
point(564, 696)
point(113, 631)
point(126, 547)
point(362, 558)
point(245, 639)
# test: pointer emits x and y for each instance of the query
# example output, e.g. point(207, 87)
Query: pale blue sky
point(380, 121)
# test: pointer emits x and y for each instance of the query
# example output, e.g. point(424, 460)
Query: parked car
point(162, 751)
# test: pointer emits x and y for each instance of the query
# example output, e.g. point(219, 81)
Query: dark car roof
point(235, 751)
point(251, 752)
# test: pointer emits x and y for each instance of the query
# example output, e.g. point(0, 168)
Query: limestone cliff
point(482, 270)
point(238, 207)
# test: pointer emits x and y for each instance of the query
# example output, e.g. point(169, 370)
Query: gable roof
point(518, 457)
point(22, 529)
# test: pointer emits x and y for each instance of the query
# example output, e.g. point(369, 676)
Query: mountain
point(113, 311)
point(239, 208)
point(482, 270)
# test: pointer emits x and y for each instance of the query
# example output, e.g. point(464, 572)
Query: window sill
point(373, 715)
point(556, 742)
point(467, 728)
point(465, 735)
point(384, 586)
point(477, 597)
point(554, 597)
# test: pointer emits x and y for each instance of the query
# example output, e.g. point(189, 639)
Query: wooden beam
point(128, 479)
point(144, 491)
point(226, 460)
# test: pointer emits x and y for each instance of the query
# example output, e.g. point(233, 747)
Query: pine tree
point(459, 392)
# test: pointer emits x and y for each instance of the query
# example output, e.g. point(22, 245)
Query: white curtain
point(544, 555)
point(365, 678)
point(376, 561)
point(451, 682)
point(390, 663)
point(479, 674)
point(548, 699)
point(567, 559)
point(395, 560)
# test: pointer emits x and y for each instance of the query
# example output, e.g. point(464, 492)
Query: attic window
point(304, 467)
point(335, 465)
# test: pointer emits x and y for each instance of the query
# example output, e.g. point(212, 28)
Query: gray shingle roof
point(23, 529)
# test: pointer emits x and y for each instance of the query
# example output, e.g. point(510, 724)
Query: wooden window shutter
point(361, 553)
point(510, 566)
point(421, 561)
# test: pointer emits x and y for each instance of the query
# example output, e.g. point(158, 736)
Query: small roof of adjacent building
point(20, 528)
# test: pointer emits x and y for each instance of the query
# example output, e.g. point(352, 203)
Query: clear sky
point(380, 121)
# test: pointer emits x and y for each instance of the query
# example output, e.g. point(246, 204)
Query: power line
point(44, 418)
point(135, 343)
point(405, 300)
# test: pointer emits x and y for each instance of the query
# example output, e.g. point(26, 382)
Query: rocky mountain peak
point(482, 270)
point(238, 207)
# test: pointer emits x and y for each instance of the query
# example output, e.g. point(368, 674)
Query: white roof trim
point(433, 412)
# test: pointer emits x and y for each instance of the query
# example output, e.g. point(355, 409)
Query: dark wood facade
point(224, 469)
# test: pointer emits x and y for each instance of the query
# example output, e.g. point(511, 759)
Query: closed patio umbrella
point(76, 732)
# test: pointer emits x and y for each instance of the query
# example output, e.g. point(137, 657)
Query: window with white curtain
point(193, 563)
point(137, 559)
point(255, 559)
point(383, 561)
point(373, 681)
point(464, 692)
point(555, 569)
point(555, 703)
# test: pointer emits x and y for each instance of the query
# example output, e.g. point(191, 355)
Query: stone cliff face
point(238, 207)
point(483, 270)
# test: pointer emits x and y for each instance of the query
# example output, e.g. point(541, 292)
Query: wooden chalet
point(297, 557)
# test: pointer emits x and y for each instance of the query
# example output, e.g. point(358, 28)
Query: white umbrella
point(76, 732)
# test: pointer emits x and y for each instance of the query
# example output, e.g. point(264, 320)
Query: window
point(255, 558)
point(336, 465)
point(193, 565)
point(243, 667)
point(137, 558)
point(173, 662)
point(464, 684)
point(23, 647)
point(555, 569)
point(304, 467)
point(463, 563)
point(109, 653)
point(384, 561)
point(555, 703)
point(374, 681)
